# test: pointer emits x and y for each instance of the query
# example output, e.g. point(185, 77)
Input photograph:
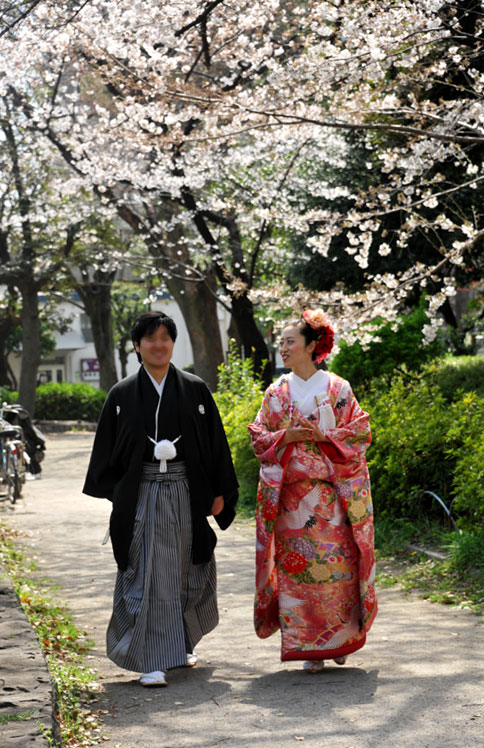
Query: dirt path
point(419, 682)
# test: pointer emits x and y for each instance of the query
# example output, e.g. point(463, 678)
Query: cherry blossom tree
point(216, 114)
point(34, 234)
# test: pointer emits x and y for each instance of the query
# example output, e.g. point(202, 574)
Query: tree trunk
point(123, 357)
point(252, 339)
point(30, 345)
point(5, 378)
point(199, 308)
point(96, 298)
point(12, 376)
point(233, 333)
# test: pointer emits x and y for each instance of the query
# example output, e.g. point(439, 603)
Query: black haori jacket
point(117, 457)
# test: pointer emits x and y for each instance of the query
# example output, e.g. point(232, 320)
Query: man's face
point(156, 349)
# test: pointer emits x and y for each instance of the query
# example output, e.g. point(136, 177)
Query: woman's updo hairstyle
point(315, 326)
point(309, 334)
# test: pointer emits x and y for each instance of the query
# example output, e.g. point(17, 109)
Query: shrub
point(466, 552)
point(68, 402)
point(465, 446)
point(457, 374)
point(7, 396)
point(407, 455)
point(422, 442)
point(238, 397)
point(390, 351)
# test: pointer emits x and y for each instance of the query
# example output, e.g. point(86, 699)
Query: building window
point(86, 328)
point(44, 376)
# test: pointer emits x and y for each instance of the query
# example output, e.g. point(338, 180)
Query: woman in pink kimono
point(315, 564)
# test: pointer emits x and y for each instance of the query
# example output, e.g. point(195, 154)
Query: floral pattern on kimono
point(315, 563)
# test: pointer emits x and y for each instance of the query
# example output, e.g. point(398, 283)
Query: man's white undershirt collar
point(158, 386)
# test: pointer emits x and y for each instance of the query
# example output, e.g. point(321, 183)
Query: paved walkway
point(419, 682)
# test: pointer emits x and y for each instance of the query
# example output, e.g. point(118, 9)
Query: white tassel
point(164, 450)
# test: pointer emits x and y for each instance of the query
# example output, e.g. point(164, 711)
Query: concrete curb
point(411, 548)
point(27, 694)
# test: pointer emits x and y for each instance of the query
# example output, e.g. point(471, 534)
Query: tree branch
point(20, 18)
point(202, 17)
point(24, 202)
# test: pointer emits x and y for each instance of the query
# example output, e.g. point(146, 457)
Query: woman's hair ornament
point(318, 320)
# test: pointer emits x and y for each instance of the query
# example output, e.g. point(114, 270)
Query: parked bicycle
point(12, 466)
point(34, 440)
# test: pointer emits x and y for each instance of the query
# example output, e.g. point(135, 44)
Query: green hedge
point(68, 402)
point(63, 402)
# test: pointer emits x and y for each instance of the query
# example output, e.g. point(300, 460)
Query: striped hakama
point(163, 603)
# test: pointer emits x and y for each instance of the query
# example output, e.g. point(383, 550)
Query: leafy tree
point(37, 232)
point(127, 305)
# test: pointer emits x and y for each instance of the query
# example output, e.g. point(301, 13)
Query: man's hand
point(218, 505)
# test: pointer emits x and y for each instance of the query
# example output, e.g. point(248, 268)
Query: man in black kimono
point(161, 456)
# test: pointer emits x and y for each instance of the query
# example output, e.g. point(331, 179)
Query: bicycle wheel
point(13, 477)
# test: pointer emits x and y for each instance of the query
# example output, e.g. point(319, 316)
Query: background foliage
point(395, 347)
point(424, 442)
point(238, 397)
point(68, 402)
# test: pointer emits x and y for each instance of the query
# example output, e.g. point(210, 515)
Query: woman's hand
point(307, 431)
point(313, 426)
point(218, 505)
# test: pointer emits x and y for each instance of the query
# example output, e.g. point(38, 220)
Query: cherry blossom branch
point(24, 202)
point(283, 120)
point(20, 17)
point(287, 119)
point(422, 201)
point(428, 272)
point(202, 17)
point(27, 12)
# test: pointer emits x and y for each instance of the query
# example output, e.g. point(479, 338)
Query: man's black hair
point(148, 322)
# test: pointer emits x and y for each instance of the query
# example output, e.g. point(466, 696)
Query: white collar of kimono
point(165, 449)
point(317, 384)
point(304, 391)
point(158, 386)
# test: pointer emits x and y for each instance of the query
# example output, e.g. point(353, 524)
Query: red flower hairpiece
point(318, 320)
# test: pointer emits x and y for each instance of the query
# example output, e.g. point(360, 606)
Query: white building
point(74, 358)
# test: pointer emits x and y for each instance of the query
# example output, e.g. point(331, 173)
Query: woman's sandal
point(313, 666)
point(341, 660)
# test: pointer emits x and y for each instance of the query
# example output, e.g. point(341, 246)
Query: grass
point(22, 717)
point(457, 580)
point(63, 644)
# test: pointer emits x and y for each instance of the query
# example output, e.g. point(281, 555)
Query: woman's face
point(293, 348)
point(156, 349)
